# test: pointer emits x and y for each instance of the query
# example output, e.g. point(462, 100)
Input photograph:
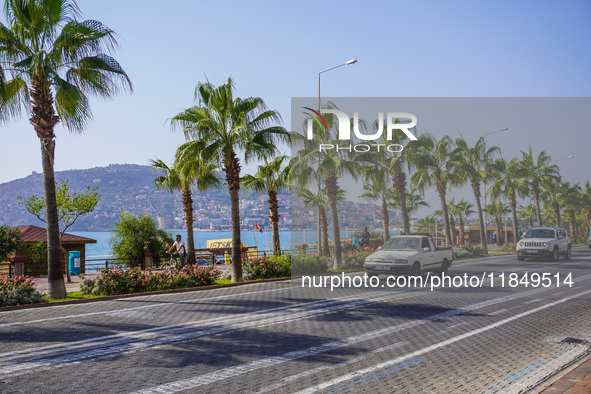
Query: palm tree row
point(442, 165)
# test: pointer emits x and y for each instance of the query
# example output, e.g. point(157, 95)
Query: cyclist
point(181, 250)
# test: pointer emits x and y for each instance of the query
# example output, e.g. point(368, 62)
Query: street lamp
point(347, 63)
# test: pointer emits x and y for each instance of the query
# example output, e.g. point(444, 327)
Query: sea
point(288, 239)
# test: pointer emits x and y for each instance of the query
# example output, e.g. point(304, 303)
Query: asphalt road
point(479, 334)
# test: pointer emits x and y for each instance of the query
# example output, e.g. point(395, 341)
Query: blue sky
point(275, 50)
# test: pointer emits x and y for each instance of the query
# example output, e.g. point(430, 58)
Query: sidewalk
point(41, 282)
point(575, 380)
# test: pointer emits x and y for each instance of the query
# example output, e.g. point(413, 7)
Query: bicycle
point(174, 262)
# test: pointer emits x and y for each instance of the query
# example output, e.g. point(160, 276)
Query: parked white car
point(408, 254)
point(544, 242)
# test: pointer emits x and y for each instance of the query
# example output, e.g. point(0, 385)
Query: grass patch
point(74, 295)
point(223, 281)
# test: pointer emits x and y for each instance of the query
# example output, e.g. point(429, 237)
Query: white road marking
point(212, 377)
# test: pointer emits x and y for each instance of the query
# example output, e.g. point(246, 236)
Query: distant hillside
point(126, 187)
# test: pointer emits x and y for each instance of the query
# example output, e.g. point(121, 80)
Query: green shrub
point(267, 267)
point(309, 265)
point(135, 236)
point(18, 290)
point(474, 249)
point(355, 259)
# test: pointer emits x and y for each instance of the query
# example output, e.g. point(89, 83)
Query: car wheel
point(520, 258)
point(555, 255)
point(444, 267)
point(416, 269)
point(568, 253)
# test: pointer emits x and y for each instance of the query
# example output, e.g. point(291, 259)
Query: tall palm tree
point(464, 208)
point(318, 201)
point(432, 162)
point(573, 201)
point(498, 209)
point(476, 164)
point(229, 125)
point(511, 184)
point(376, 189)
point(54, 62)
point(330, 165)
point(182, 175)
point(537, 171)
point(271, 177)
point(553, 193)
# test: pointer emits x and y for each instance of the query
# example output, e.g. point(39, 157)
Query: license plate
point(381, 267)
point(531, 251)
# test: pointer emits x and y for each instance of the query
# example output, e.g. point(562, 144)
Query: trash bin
point(74, 263)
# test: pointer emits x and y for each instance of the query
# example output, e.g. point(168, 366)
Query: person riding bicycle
point(181, 249)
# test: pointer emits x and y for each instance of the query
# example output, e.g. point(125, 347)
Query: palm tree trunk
point(331, 191)
point(513, 204)
point(274, 216)
point(188, 211)
point(385, 220)
point(324, 226)
point(399, 180)
point(556, 212)
point(442, 192)
point(571, 214)
point(319, 232)
point(499, 230)
point(476, 189)
point(454, 232)
point(462, 233)
point(531, 222)
point(232, 170)
point(536, 194)
point(43, 119)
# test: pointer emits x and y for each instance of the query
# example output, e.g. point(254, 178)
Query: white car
point(408, 254)
point(544, 242)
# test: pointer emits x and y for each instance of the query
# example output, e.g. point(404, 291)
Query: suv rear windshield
point(539, 234)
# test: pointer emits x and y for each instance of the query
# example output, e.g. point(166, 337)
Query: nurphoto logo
point(344, 129)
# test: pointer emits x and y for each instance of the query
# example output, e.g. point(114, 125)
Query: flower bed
point(356, 259)
point(18, 290)
point(116, 281)
point(264, 268)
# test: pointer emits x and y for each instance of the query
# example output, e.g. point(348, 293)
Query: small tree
point(70, 206)
point(10, 241)
point(134, 236)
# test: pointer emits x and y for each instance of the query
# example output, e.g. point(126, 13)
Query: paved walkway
point(576, 380)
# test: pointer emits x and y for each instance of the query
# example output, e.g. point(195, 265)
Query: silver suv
point(546, 242)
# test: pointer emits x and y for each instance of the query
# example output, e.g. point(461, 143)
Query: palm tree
point(464, 208)
point(54, 63)
point(573, 201)
point(498, 209)
point(181, 176)
point(511, 185)
point(271, 177)
point(528, 212)
point(553, 193)
point(425, 224)
point(318, 201)
point(537, 171)
point(453, 208)
point(433, 168)
point(330, 164)
point(476, 164)
point(229, 125)
point(376, 189)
